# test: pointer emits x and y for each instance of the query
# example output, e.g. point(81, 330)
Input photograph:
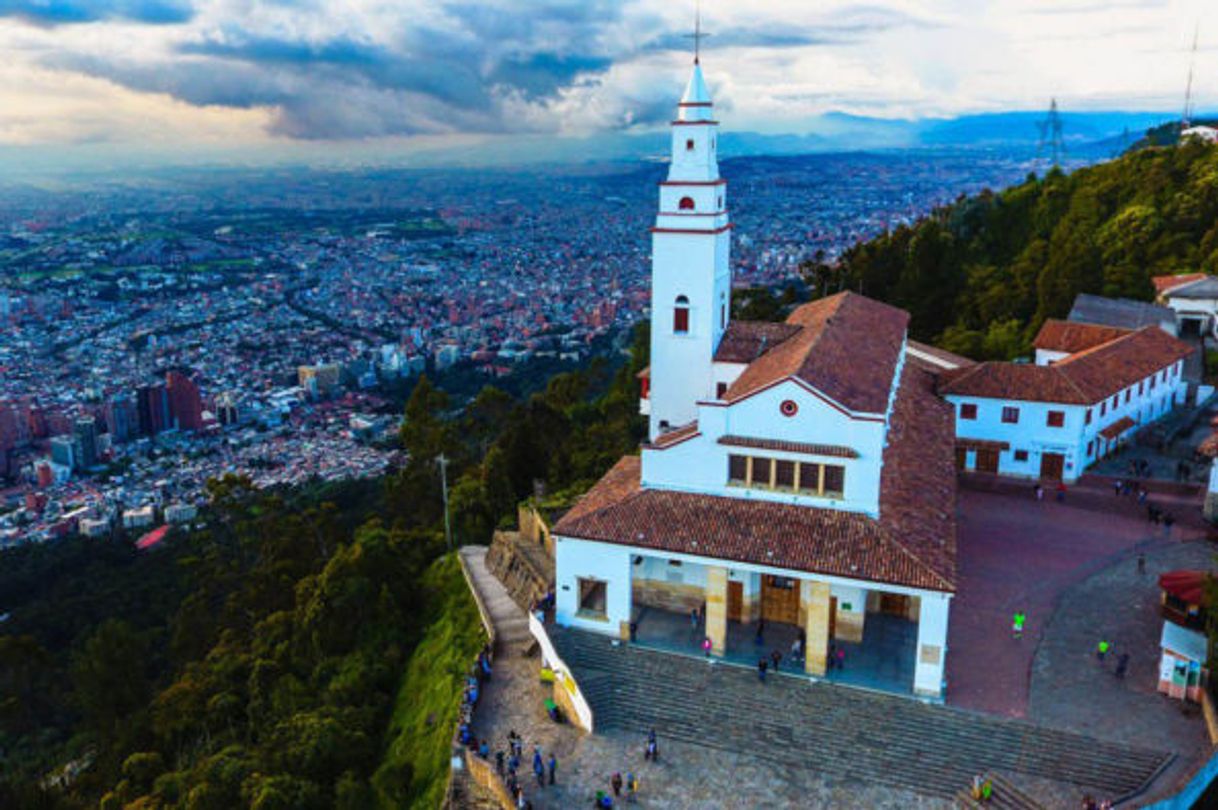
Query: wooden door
point(894, 604)
point(832, 617)
point(1051, 466)
point(961, 458)
point(987, 460)
point(735, 600)
point(779, 599)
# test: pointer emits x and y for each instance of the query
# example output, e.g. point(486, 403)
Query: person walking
point(1116, 487)
point(759, 638)
point(796, 650)
point(553, 764)
point(1061, 491)
point(1038, 491)
point(1169, 520)
point(841, 658)
point(1101, 650)
point(762, 665)
point(539, 771)
point(706, 646)
point(693, 619)
point(1122, 665)
point(775, 658)
point(632, 788)
point(1017, 622)
point(616, 783)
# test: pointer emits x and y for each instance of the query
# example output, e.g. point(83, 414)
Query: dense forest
point(305, 649)
point(980, 276)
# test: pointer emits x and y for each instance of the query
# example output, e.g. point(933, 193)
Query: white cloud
point(259, 72)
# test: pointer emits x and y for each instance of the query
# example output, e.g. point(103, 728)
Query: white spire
point(696, 101)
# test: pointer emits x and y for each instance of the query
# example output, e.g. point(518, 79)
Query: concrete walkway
point(510, 623)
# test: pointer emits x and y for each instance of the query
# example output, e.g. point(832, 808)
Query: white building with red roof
point(798, 476)
point(1194, 298)
point(1092, 387)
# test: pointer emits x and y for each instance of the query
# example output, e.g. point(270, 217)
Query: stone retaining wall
point(523, 581)
point(483, 773)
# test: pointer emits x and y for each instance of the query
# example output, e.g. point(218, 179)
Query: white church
point(798, 479)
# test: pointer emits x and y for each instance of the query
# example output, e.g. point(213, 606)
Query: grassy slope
point(414, 769)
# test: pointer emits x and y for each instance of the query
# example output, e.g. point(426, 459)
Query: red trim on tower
point(691, 214)
point(726, 227)
point(694, 123)
point(695, 104)
point(720, 182)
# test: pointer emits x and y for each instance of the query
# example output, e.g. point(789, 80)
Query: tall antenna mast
point(1186, 119)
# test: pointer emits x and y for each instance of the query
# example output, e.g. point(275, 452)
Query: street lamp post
point(448, 530)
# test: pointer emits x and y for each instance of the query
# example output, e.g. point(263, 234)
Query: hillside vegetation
point(306, 648)
point(981, 275)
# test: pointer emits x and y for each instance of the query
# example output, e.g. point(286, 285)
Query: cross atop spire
point(698, 35)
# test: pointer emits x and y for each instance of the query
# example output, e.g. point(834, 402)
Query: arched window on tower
point(686, 204)
point(680, 316)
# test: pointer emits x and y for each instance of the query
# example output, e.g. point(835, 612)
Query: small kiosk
point(1182, 672)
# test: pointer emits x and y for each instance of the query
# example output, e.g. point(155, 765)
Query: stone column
point(814, 608)
point(716, 608)
point(932, 644)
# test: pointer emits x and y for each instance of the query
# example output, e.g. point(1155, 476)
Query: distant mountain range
point(1086, 134)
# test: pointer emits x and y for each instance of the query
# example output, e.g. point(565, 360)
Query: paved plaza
point(1071, 567)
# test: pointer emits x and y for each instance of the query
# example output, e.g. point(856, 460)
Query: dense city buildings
point(239, 322)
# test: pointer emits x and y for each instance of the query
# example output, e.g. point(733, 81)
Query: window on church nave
point(783, 475)
point(680, 316)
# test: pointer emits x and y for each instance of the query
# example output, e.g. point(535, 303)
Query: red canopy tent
point(1187, 586)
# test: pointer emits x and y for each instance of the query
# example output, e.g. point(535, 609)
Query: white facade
point(691, 275)
point(700, 463)
point(1079, 439)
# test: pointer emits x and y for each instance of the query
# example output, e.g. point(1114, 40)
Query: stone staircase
point(1005, 796)
point(841, 733)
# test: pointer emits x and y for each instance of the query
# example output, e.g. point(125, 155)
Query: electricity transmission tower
point(1051, 136)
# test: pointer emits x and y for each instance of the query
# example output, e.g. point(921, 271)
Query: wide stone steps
point(1005, 796)
point(836, 731)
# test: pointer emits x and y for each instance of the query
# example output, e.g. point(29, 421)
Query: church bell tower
point(690, 271)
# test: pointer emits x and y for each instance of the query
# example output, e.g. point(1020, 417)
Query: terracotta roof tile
point(745, 341)
point(1083, 378)
point(913, 543)
point(1070, 337)
point(848, 348)
point(835, 450)
point(1165, 283)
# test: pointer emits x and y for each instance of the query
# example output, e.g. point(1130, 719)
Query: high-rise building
point(63, 451)
point(122, 419)
point(185, 402)
point(85, 434)
point(153, 409)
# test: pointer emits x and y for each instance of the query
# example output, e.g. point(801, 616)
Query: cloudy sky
point(177, 74)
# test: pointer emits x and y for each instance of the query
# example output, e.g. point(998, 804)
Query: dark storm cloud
point(64, 12)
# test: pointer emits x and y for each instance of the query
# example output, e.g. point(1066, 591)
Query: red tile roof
point(1070, 336)
point(745, 341)
point(847, 347)
point(1165, 283)
point(1083, 378)
point(1117, 428)
point(835, 450)
point(912, 543)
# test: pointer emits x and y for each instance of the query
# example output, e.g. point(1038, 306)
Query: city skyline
point(364, 81)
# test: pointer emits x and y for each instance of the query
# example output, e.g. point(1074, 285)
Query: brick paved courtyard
point(1016, 553)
